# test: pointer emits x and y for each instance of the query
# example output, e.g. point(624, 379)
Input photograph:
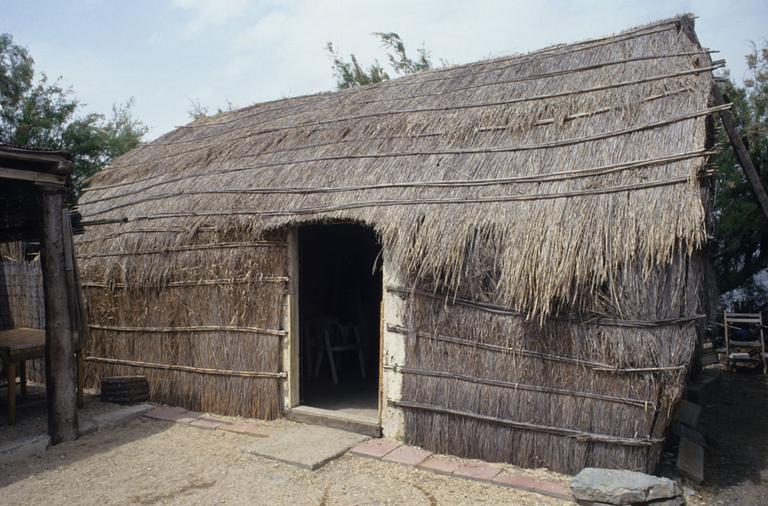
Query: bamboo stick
point(346, 140)
point(574, 433)
point(204, 282)
point(196, 247)
point(402, 202)
point(535, 98)
point(532, 179)
point(500, 149)
point(545, 75)
point(202, 328)
point(185, 368)
point(595, 366)
point(639, 403)
point(587, 320)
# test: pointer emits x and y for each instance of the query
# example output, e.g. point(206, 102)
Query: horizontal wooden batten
point(545, 75)
point(595, 366)
point(208, 328)
point(193, 283)
point(185, 368)
point(176, 249)
point(413, 202)
point(538, 178)
point(506, 311)
point(559, 431)
point(457, 107)
point(639, 403)
point(465, 151)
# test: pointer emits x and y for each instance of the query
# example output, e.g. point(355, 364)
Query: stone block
point(544, 487)
point(407, 455)
point(478, 472)
point(307, 446)
point(166, 413)
point(621, 487)
point(690, 460)
point(375, 448)
point(243, 428)
point(441, 465)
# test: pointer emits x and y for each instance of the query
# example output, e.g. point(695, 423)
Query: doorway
point(340, 287)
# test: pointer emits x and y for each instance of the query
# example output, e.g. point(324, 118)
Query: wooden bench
point(16, 347)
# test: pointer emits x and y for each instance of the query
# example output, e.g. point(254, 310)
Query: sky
point(165, 54)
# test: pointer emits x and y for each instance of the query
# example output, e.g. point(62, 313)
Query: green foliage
point(41, 114)
point(741, 232)
point(350, 74)
point(198, 110)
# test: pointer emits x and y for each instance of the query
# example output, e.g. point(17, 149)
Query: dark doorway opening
point(339, 306)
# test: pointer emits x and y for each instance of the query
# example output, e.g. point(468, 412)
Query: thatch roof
point(564, 164)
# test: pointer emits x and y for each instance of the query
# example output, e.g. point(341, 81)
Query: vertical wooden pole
point(741, 152)
point(10, 371)
point(59, 342)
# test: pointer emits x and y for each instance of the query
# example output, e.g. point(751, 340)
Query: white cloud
point(207, 13)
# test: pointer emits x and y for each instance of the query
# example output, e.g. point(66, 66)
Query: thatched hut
point(540, 220)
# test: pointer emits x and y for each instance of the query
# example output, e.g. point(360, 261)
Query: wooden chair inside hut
point(330, 338)
point(33, 212)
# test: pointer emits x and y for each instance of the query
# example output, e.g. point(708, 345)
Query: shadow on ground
point(735, 422)
point(32, 420)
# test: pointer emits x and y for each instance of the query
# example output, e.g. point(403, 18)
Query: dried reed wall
point(208, 338)
point(590, 390)
point(22, 303)
point(21, 295)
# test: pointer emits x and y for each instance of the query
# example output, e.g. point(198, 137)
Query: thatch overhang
point(552, 169)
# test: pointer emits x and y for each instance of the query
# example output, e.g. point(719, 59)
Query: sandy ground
point(153, 462)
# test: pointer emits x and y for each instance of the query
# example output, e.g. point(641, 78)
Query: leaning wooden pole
point(59, 339)
point(741, 151)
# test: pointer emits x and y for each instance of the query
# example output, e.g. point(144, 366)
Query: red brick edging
point(391, 451)
point(195, 419)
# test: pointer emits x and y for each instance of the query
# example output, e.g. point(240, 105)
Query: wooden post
point(59, 343)
point(10, 376)
point(741, 152)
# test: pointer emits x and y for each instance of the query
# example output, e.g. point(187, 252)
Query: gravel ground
point(153, 462)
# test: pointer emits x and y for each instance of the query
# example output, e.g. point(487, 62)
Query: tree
point(41, 114)
point(350, 74)
point(741, 233)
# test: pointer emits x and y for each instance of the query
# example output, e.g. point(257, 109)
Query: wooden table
point(16, 347)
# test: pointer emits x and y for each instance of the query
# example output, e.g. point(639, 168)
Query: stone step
point(334, 419)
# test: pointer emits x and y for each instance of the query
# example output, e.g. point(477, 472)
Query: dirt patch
point(153, 462)
point(735, 423)
point(32, 413)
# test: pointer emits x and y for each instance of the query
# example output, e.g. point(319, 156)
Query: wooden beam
point(741, 151)
point(31, 175)
point(59, 343)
